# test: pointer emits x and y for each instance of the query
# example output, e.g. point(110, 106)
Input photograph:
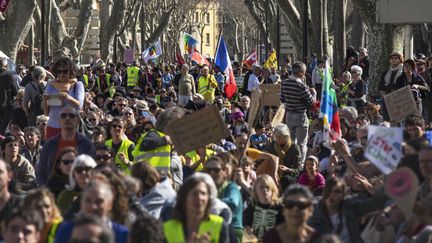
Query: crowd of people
point(85, 155)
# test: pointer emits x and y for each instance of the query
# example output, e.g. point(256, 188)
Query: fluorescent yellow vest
point(160, 158)
point(126, 143)
point(206, 87)
point(132, 76)
point(85, 76)
point(195, 157)
point(108, 82)
point(173, 229)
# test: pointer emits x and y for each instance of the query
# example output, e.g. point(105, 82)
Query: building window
point(196, 17)
point(207, 39)
point(207, 18)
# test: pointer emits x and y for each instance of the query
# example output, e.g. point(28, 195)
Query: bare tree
point(14, 26)
point(339, 36)
point(383, 39)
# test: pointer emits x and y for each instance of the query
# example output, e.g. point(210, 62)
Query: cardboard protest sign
point(197, 130)
point(402, 186)
point(279, 116)
point(129, 55)
point(384, 147)
point(400, 104)
point(270, 94)
point(255, 106)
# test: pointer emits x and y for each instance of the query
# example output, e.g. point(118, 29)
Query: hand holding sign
point(401, 185)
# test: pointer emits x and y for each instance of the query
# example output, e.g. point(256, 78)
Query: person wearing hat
point(357, 88)
point(388, 78)
point(416, 82)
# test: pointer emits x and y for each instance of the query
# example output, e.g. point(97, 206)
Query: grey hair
point(282, 129)
point(169, 116)
point(3, 62)
point(39, 73)
point(81, 160)
point(209, 181)
point(100, 185)
point(185, 66)
point(298, 67)
point(357, 69)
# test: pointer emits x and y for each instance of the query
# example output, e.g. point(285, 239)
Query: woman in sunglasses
point(63, 90)
point(297, 202)
point(79, 177)
point(60, 174)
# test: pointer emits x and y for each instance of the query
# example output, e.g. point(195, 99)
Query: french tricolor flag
point(223, 61)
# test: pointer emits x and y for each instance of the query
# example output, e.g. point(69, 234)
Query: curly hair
point(37, 196)
point(116, 182)
point(68, 64)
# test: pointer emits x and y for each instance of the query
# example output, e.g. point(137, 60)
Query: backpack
point(36, 106)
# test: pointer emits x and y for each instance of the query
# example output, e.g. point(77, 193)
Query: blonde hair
point(268, 181)
point(37, 195)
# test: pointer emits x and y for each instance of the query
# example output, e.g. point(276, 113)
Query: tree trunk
point(325, 29)
point(339, 40)
point(108, 29)
point(14, 29)
point(30, 40)
point(383, 39)
point(357, 31)
point(316, 9)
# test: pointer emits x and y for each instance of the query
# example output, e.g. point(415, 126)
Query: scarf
point(387, 76)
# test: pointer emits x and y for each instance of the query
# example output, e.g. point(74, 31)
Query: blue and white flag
point(153, 52)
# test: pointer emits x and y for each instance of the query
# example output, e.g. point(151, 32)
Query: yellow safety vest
point(108, 82)
point(195, 157)
point(124, 147)
point(173, 229)
point(132, 76)
point(53, 230)
point(160, 157)
point(206, 87)
point(85, 76)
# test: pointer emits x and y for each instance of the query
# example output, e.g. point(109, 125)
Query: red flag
point(3, 5)
point(251, 59)
point(200, 59)
point(180, 59)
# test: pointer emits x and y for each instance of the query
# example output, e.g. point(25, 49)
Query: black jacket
point(8, 90)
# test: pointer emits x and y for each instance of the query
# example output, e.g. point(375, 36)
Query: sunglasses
point(127, 114)
point(102, 157)
point(122, 105)
point(290, 204)
point(215, 170)
point(63, 71)
point(117, 126)
point(66, 115)
point(80, 170)
point(67, 161)
point(41, 124)
point(92, 119)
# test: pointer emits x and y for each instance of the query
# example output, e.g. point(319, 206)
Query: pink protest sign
point(3, 5)
point(402, 185)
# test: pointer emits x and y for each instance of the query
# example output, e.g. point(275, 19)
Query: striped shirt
point(295, 95)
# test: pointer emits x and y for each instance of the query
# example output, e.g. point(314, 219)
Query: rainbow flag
point(187, 44)
point(329, 109)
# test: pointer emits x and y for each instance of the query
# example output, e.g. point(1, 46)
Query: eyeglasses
point(67, 161)
point(290, 204)
point(66, 115)
point(64, 71)
point(102, 157)
point(215, 170)
point(80, 170)
point(116, 126)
